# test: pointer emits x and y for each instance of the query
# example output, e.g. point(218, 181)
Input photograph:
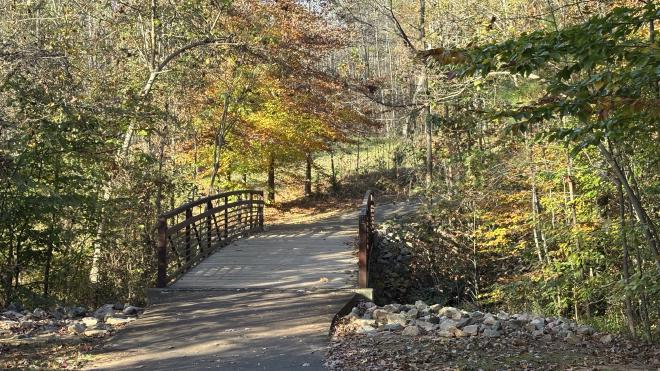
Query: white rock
point(113, 321)
point(90, 321)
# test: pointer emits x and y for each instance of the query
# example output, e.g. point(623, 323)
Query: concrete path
point(263, 303)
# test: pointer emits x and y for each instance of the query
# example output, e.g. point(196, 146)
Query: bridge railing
point(190, 233)
point(366, 237)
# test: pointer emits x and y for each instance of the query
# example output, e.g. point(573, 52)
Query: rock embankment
point(17, 325)
point(450, 322)
point(434, 337)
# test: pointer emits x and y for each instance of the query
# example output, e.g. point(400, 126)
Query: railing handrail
point(196, 236)
point(366, 231)
point(205, 199)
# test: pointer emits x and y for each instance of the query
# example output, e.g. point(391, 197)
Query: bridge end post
point(363, 243)
point(260, 211)
point(161, 253)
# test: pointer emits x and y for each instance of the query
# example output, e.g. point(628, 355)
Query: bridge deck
point(304, 257)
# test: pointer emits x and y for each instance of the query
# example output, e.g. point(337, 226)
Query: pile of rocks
point(17, 324)
point(450, 322)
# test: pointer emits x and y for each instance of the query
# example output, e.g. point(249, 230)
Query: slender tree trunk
point(308, 174)
point(333, 174)
point(49, 259)
point(643, 218)
point(271, 178)
point(630, 314)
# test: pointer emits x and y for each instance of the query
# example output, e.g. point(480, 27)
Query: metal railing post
point(188, 245)
point(226, 232)
point(209, 207)
point(251, 211)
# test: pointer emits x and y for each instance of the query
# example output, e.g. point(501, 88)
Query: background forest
point(530, 128)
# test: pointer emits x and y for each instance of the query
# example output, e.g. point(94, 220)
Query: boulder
point(392, 327)
point(7, 324)
point(606, 339)
point(585, 330)
point(380, 315)
point(426, 326)
point(538, 322)
point(77, 328)
point(75, 312)
point(102, 312)
point(503, 316)
point(12, 315)
point(90, 321)
point(492, 333)
point(14, 307)
point(514, 324)
point(412, 331)
point(471, 330)
point(420, 305)
point(463, 322)
point(450, 312)
point(447, 325)
point(39, 313)
point(393, 308)
point(412, 313)
point(489, 319)
point(365, 330)
point(397, 318)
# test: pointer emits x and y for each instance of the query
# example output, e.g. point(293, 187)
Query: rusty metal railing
point(190, 233)
point(366, 237)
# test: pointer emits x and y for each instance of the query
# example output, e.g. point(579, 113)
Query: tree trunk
point(647, 225)
point(424, 87)
point(271, 178)
point(333, 174)
point(308, 174)
point(630, 316)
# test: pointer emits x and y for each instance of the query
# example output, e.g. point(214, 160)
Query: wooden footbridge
point(235, 295)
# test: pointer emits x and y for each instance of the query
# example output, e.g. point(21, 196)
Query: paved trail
point(263, 303)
